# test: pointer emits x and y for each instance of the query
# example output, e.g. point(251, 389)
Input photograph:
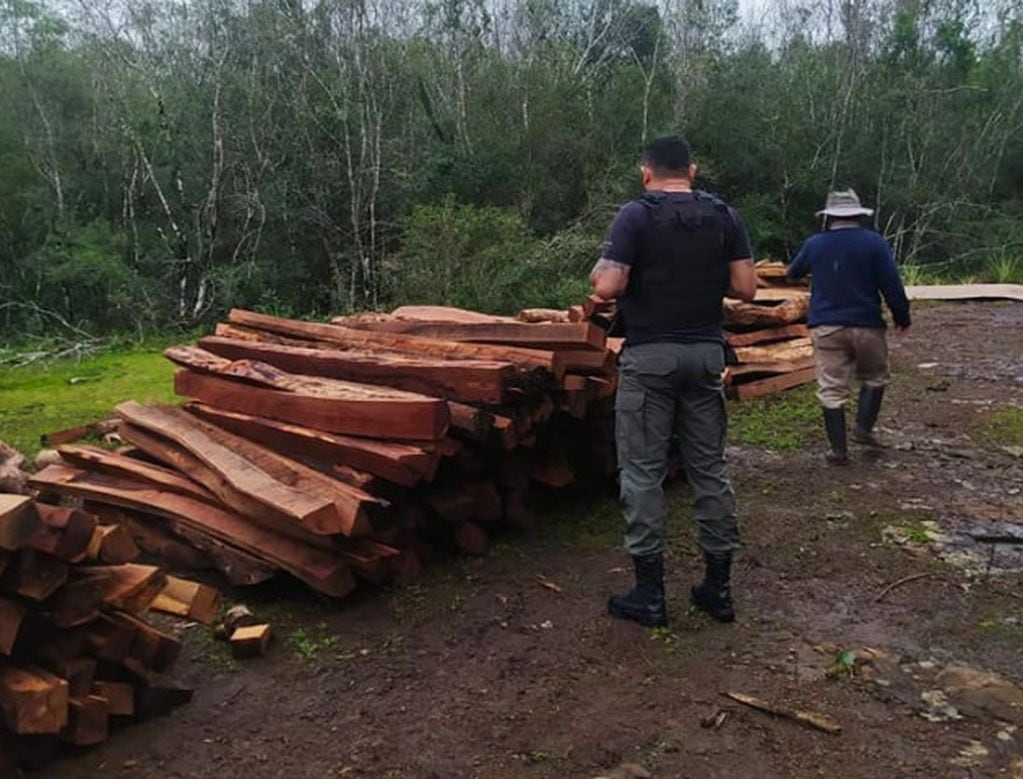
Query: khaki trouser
point(842, 351)
point(666, 389)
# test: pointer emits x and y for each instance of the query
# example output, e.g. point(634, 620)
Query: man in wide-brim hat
point(852, 269)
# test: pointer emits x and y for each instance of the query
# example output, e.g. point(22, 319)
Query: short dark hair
point(669, 154)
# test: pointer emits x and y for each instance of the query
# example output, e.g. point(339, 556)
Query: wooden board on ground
point(404, 464)
point(319, 569)
point(965, 292)
point(250, 641)
point(527, 361)
point(465, 380)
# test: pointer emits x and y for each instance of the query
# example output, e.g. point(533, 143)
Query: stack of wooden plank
point(353, 450)
point(769, 338)
point(75, 654)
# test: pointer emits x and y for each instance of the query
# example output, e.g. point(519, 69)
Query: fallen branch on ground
point(812, 719)
point(900, 582)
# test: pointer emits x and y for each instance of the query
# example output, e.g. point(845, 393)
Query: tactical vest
point(681, 273)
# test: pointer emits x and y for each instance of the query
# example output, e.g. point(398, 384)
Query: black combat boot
point(645, 604)
point(714, 596)
point(834, 425)
point(866, 416)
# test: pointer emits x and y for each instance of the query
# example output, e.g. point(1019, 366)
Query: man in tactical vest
point(670, 258)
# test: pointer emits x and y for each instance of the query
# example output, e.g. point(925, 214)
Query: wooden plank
point(233, 477)
point(113, 545)
point(768, 334)
point(527, 361)
point(88, 722)
point(549, 335)
point(34, 575)
point(11, 614)
point(130, 587)
point(597, 305)
point(746, 315)
point(782, 351)
point(482, 426)
point(152, 648)
point(438, 314)
point(539, 315)
point(110, 638)
point(152, 535)
point(465, 380)
point(120, 697)
point(764, 369)
point(64, 533)
point(319, 569)
point(189, 599)
point(756, 389)
point(401, 463)
point(250, 641)
point(590, 361)
point(419, 422)
point(965, 292)
point(33, 701)
point(375, 411)
point(102, 427)
point(93, 459)
point(19, 521)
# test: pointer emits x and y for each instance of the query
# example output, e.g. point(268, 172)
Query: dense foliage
point(161, 160)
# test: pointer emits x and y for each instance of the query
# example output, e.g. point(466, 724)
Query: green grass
point(1003, 427)
point(52, 396)
point(783, 422)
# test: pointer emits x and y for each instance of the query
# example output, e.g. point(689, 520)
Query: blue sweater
point(850, 268)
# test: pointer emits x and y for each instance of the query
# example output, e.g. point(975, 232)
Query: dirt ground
point(479, 671)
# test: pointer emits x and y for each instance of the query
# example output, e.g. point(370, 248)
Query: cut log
point(756, 389)
point(33, 700)
point(482, 426)
point(188, 599)
point(130, 587)
point(19, 521)
point(153, 649)
point(11, 614)
point(92, 459)
point(233, 477)
point(250, 641)
point(110, 638)
point(88, 723)
point(425, 419)
point(120, 697)
point(79, 672)
point(767, 335)
point(552, 336)
point(113, 545)
point(464, 380)
point(527, 361)
point(34, 575)
point(155, 694)
point(320, 570)
point(65, 532)
point(401, 463)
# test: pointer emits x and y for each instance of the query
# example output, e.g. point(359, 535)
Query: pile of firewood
point(75, 653)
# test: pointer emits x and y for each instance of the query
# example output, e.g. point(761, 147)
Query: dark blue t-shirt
point(629, 240)
point(851, 268)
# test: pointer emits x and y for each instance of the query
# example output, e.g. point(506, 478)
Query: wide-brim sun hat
point(844, 203)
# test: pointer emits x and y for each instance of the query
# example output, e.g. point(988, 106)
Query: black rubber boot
point(834, 425)
point(714, 596)
point(645, 604)
point(866, 416)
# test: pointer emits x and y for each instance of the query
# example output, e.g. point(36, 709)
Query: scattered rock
point(983, 694)
point(47, 457)
point(973, 754)
point(938, 707)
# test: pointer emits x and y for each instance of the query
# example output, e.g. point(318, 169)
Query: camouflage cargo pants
point(664, 389)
